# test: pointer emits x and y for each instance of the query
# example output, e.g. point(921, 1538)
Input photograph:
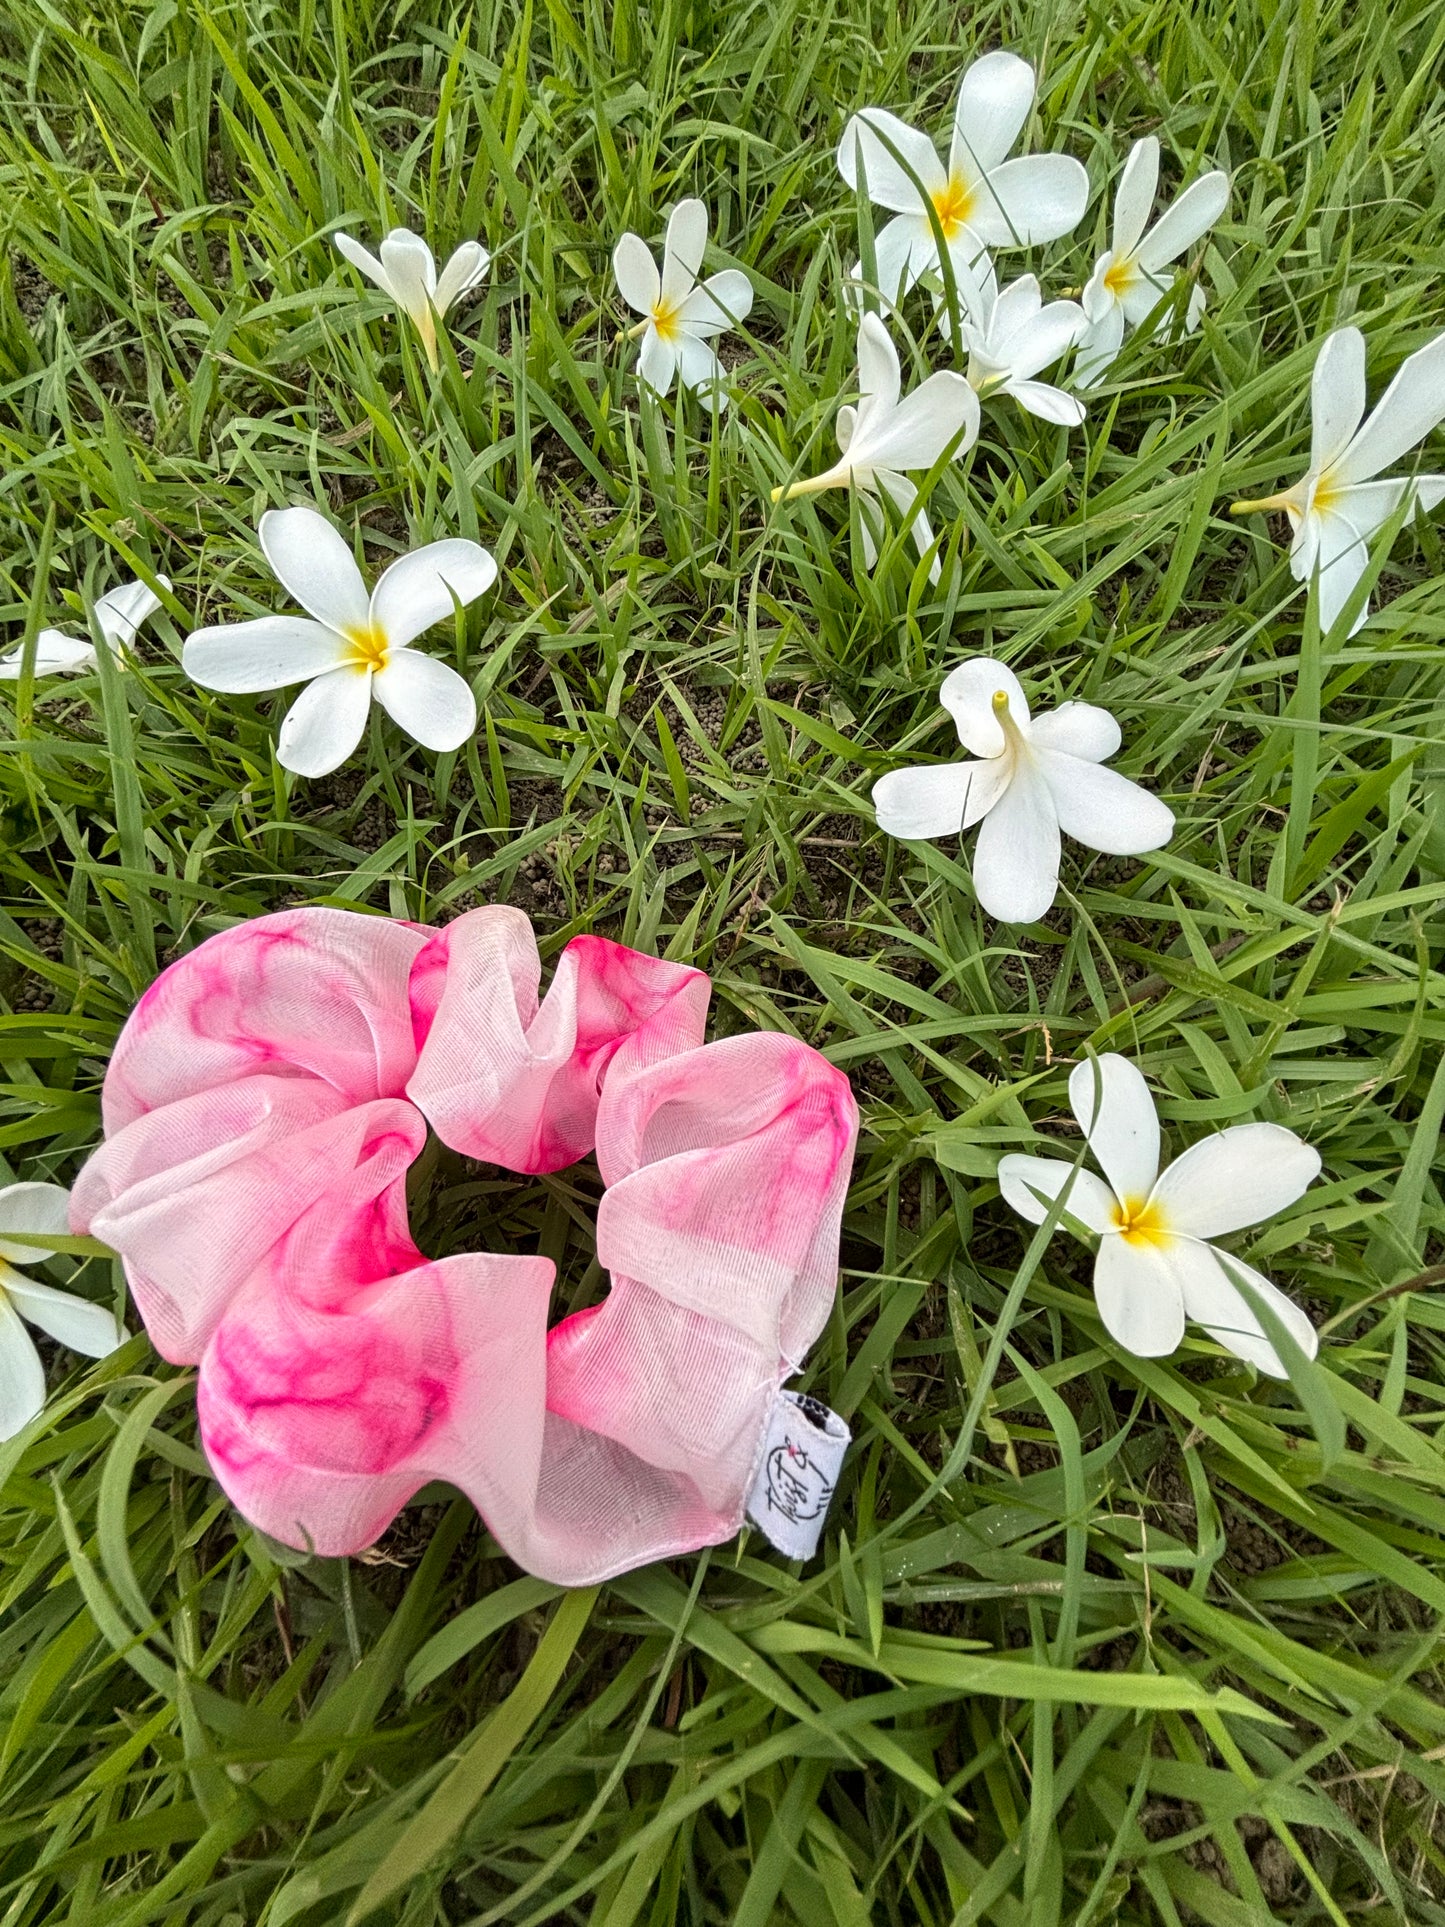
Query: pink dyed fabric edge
point(262, 1109)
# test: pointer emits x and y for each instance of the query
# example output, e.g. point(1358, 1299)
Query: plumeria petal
point(313, 561)
point(325, 723)
point(1337, 396)
point(61, 1315)
point(1410, 407)
point(1099, 346)
point(1028, 201)
point(880, 380)
point(1139, 1296)
point(638, 281)
point(994, 98)
point(122, 610)
point(1077, 729)
point(56, 654)
point(722, 300)
point(22, 1378)
point(1142, 297)
point(1031, 1184)
point(941, 799)
point(1238, 1177)
point(1116, 1113)
point(1184, 221)
point(903, 249)
point(411, 271)
point(1102, 809)
point(427, 698)
point(916, 433)
point(904, 496)
point(683, 250)
point(365, 260)
point(1016, 859)
point(894, 160)
point(1341, 555)
point(1134, 196)
point(698, 368)
point(844, 422)
point(466, 268)
point(32, 1207)
point(417, 590)
point(1050, 404)
point(244, 658)
point(967, 694)
point(657, 363)
point(1213, 1299)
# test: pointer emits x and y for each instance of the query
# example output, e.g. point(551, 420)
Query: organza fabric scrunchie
point(261, 1111)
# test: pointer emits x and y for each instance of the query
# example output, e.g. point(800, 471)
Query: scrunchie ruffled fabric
point(262, 1109)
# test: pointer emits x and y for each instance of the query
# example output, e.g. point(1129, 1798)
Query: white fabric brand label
point(802, 1454)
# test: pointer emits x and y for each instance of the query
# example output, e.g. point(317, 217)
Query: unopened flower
point(118, 614)
point(682, 315)
point(1130, 278)
point(349, 647)
point(1011, 335)
point(1033, 779)
point(1155, 1267)
point(981, 199)
point(889, 432)
point(39, 1210)
point(1337, 505)
point(408, 273)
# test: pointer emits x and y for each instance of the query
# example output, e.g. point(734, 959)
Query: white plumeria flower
point(1129, 278)
point(118, 614)
point(1034, 777)
point(1337, 505)
point(39, 1210)
point(888, 432)
point(682, 314)
point(1155, 1268)
point(1011, 335)
point(981, 199)
point(355, 647)
point(408, 273)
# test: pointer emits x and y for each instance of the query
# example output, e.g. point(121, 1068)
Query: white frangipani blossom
point(1130, 278)
point(1155, 1267)
point(118, 614)
point(39, 1210)
point(349, 646)
point(682, 315)
point(981, 199)
point(408, 273)
point(1034, 778)
point(1011, 335)
point(889, 432)
point(1337, 504)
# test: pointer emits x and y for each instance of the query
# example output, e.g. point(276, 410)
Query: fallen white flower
point(354, 647)
point(1155, 1268)
point(682, 314)
point(118, 614)
point(889, 432)
point(981, 199)
point(1337, 505)
point(407, 272)
point(1010, 336)
point(1129, 281)
point(1035, 777)
point(39, 1210)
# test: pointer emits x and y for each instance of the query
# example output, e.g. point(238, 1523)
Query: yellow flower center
point(367, 648)
point(1140, 1222)
point(953, 203)
point(666, 318)
point(1120, 276)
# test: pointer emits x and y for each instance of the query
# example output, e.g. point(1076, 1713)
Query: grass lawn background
point(1219, 1595)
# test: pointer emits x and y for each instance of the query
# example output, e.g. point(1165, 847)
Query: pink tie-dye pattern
point(262, 1109)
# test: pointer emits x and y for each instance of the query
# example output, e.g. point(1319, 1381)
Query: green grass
point(1091, 1640)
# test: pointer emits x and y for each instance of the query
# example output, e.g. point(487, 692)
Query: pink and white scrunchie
point(263, 1106)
